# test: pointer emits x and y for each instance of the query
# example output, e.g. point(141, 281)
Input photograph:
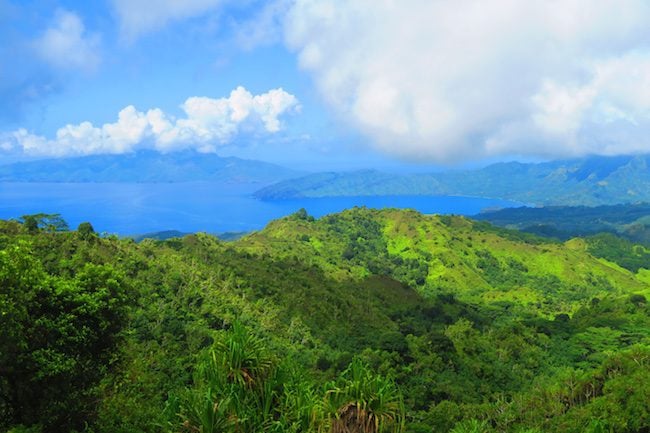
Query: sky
point(326, 83)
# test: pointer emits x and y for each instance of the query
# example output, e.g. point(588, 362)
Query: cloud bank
point(467, 79)
point(208, 124)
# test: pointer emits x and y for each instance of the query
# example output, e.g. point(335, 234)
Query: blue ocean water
point(136, 208)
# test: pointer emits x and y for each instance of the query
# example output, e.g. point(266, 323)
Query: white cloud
point(473, 78)
point(6, 145)
point(138, 17)
point(66, 44)
point(209, 124)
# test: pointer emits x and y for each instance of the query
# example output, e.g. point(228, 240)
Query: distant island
point(146, 166)
point(590, 181)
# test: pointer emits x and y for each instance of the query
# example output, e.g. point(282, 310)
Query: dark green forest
point(364, 321)
point(629, 221)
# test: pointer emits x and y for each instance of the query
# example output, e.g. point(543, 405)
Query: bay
point(136, 208)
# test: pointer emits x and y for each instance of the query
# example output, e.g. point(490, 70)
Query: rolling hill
point(446, 254)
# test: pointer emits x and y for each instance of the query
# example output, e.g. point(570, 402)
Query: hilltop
point(446, 254)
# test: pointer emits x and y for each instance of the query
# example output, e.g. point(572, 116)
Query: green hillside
point(373, 321)
point(619, 233)
point(446, 254)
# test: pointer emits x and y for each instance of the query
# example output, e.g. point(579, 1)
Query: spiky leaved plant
point(234, 387)
point(471, 426)
point(363, 402)
point(239, 387)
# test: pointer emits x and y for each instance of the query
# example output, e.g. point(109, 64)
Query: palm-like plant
point(363, 402)
point(234, 387)
point(300, 403)
point(471, 426)
point(202, 414)
point(239, 388)
point(241, 357)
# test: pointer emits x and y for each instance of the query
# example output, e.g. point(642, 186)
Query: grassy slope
point(459, 255)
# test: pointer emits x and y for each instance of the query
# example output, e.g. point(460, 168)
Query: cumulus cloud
point(66, 44)
point(138, 17)
point(473, 78)
point(208, 124)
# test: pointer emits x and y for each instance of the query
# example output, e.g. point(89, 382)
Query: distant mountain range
point(590, 181)
point(146, 166)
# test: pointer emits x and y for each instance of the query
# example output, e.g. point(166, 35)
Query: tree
point(86, 231)
point(239, 387)
point(30, 223)
point(301, 214)
point(233, 386)
point(43, 221)
point(58, 337)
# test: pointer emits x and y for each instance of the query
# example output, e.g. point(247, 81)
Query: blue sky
point(327, 83)
point(161, 67)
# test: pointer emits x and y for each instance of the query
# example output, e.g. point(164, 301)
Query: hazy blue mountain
point(587, 181)
point(355, 183)
point(146, 166)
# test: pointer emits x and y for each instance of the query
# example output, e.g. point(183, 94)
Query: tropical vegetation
point(364, 321)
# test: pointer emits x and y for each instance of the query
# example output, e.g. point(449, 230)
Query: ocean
point(137, 208)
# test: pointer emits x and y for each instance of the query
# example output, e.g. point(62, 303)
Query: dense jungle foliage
point(628, 221)
point(364, 321)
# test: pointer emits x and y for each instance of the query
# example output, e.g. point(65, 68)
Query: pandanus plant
point(234, 387)
point(363, 402)
point(239, 388)
point(239, 360)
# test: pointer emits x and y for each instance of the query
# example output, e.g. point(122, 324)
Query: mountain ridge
point(593, 180)
point(146, 166)
point(453, 254)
